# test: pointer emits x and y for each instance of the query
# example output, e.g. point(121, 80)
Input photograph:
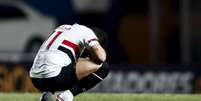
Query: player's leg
point(91, 80)
point(84, 67)
point(85, 83)
point(65, 80)
point(46, 94)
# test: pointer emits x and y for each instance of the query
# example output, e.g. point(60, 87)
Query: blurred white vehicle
point(22, 29)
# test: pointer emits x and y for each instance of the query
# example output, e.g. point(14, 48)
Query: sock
point(91, 80)
point(65, 96)
point(85, 84)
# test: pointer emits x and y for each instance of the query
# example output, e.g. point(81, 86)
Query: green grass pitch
point(106, 97)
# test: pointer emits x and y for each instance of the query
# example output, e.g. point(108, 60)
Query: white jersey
point(62, 48)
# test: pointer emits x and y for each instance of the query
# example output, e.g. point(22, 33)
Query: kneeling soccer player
point(58, 65)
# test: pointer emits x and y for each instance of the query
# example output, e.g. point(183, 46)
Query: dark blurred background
point(140, 32)
point(152, 38)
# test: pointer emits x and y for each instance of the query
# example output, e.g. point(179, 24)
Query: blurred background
point(153, 45)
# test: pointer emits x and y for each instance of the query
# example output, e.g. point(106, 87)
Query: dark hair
point(102, 36)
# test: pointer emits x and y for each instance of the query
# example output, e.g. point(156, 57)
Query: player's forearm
point(99, 54)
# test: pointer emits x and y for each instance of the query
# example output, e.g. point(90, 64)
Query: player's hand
point(86, 54)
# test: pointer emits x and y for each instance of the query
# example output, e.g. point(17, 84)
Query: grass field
point(106, 97)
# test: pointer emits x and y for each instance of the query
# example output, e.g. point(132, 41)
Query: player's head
point(102, 36)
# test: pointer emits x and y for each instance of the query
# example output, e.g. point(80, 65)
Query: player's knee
point(103, 71)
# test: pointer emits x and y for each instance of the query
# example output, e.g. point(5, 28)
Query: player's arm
point(97, 52)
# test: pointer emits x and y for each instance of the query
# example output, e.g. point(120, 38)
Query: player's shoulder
point(82, 28)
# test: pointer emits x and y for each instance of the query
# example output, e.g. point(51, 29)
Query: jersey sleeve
point(90, 38)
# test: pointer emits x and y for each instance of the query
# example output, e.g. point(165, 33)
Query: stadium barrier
point(14, 79)
point(152, 79)
point(123, 78)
